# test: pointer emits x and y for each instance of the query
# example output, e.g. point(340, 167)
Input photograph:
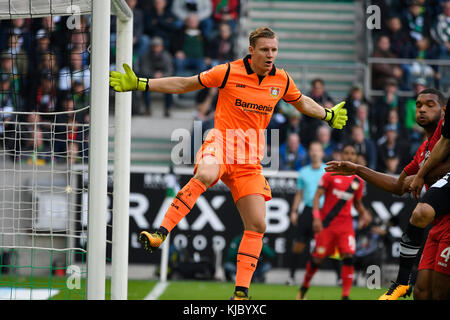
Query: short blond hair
point(261, 32)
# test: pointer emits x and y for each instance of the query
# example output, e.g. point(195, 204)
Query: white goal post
point(98, 138)
point(122, 151)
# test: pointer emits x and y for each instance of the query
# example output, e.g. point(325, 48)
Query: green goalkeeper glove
point(127, 81)
point(336, 116)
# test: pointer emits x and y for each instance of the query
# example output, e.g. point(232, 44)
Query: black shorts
point(303, 231)
point(438, 196)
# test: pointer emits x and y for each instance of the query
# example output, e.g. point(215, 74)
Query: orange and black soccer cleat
point(239, 295)
point(151, 241)
point(396, 291)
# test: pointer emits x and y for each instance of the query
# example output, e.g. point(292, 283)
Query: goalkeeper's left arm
point(336, 116)
point(128, 81)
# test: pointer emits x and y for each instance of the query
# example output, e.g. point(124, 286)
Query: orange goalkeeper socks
point(183, 203)
point(247, 257)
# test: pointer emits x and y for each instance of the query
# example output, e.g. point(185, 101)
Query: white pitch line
point(157, 291)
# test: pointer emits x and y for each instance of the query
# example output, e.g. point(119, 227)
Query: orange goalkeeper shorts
point(242, 179)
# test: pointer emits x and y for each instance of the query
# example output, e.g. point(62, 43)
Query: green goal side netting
point(45, 97)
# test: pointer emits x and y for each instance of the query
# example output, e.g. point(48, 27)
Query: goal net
point(54, 104)
point(43, 157)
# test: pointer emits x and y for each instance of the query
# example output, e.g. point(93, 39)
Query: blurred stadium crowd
point(44, 62)
point(44, 66)
point(383, 128)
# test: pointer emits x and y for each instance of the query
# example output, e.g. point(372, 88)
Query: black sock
point(163, 230)
point(303, 290)
point(294, 259)
point(243, 289)
point(409, 247)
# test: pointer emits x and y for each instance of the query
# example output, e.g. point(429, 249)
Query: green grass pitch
point(193, 290)
point(202, 290)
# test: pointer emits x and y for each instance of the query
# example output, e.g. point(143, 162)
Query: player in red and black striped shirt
point(333, 224)
point(431, 281)
point(435, 205)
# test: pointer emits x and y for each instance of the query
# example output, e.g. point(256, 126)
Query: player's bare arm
point(344, 168)
point(308, 106)
point(431, 177)
point(336, 116)
point(380, 180)
point(437, 172)
point(295, 203)
point(176, 85)
point(440, 151)
point(317, 223)
point(128, 81)
point(364, 216)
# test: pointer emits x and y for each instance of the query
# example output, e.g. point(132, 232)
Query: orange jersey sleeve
point(214, 77)
point(291, 94)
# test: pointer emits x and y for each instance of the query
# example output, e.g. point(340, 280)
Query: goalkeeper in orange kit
point(249, 89)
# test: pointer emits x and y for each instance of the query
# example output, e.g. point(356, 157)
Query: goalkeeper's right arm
point(128, 81)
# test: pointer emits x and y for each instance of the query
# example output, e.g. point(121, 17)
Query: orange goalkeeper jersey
point(245, 105)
